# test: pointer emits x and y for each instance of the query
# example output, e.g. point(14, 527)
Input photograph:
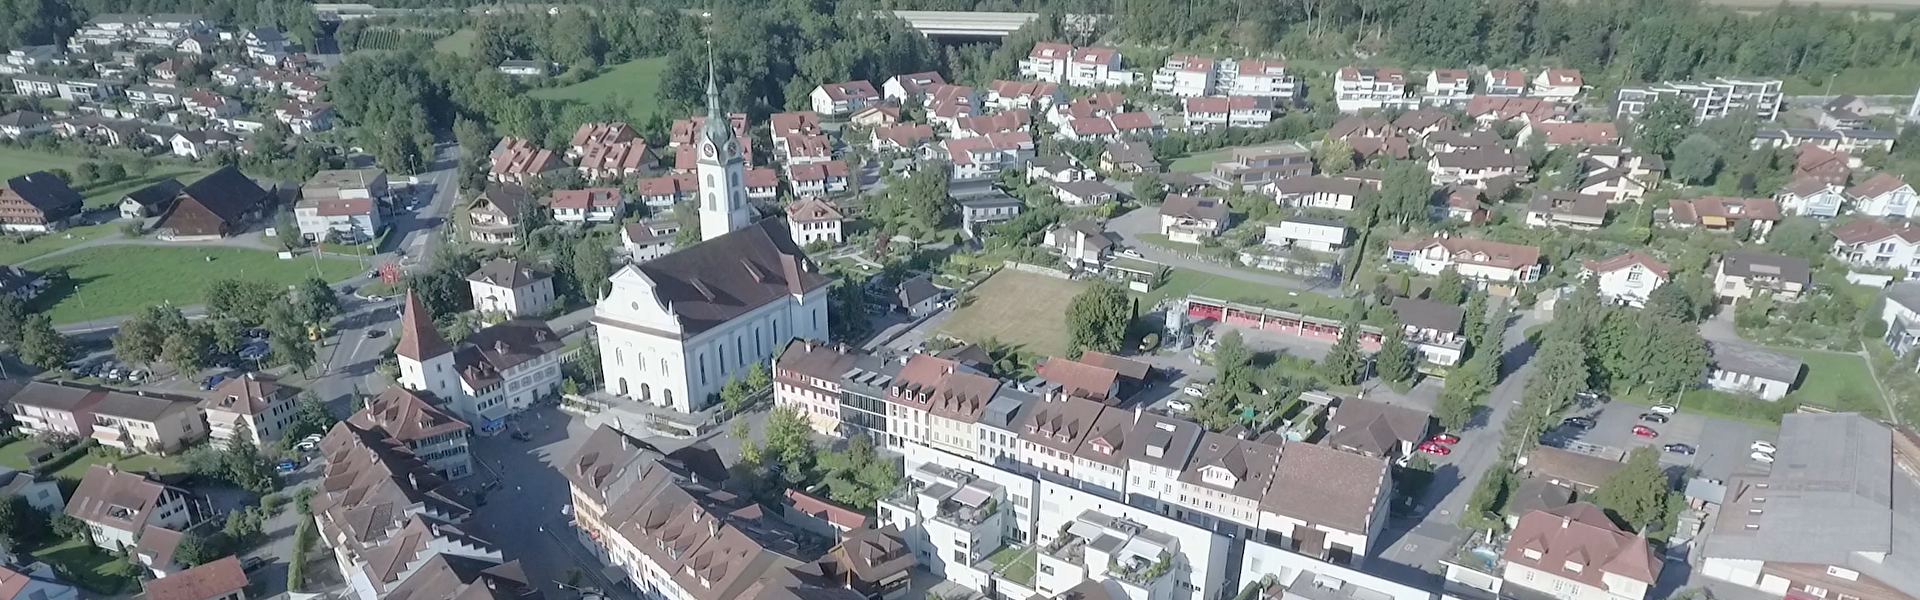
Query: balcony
point(1141, 570)
point(959, 513)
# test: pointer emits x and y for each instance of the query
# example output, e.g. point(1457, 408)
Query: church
point(674, 330)
point(493, 373)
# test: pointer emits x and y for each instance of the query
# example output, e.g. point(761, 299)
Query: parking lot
point(1721, 447)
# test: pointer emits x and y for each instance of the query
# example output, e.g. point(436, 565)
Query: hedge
point(66, 457)
point(297, 569)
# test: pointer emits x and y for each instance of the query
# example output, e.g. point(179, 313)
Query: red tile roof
point(1879, 184)
point(1732, 209)
point(418, 339)
point(1562, 77)
point(1581, 534)
point(1868, 230)
point(1508, 77)
point(840, 516)
point(1480, 252)
point(1051, 51)
point(1625, 260)
point(585, 199)
point(205, 582)
point(762, 177)
point(795, 122)
point(818, 171)
point(1079, 379)
point(851, 90)
point(1592, 134)
point(604, 133)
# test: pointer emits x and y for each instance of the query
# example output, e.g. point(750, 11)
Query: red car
point(1445, 438)
point(1435, 449)
point(1645, 431)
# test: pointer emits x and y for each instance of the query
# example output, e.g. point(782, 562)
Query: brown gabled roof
point(455, 577)
point(938, 386)
point(1869, 230)
point(1079, 379)
point(1482, 252)
point(418, 339)
point(813, 210)
point(250, 394)
point(716, 280)
point(1625, 260)
point(1377, 428)
point(1061, 422)
point(1326, 487)
point(873, 555)
point(487, 353)
point(1570, 468)
point(814, 359)
point(507, 273)
point(404, 416)
point(1580, 534)
point(210, 581)
point(1251, 463)
point(158, 544)
point(825, 510)
point(1731, 209)
point(1880, 183)
point(1194, 207)
point(113, 497)
point(1125, 367)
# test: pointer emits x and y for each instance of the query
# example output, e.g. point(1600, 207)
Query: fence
point(1038, 270)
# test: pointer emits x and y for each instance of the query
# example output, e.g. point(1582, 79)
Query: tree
point(1336, 157)
point(1149, 189)
point(41, 345)
point(286, 229)
point(316, 301)
point(789, 438)
point(142, 338)
point(1665, 122)
point(195, 550)
point(1394, 361)
point(1343, 363)
point(1405, 191)
point(590, 268)
point(734, 396)
point(1636, 495)
point(858, 476)
point(1463, 394)
point(739, 430)
point(290, 346)
point(13, 319)
point(311, 417)
point(20, 522)
point(187, 349)
point(242, 465)
point(1696, 160)
point(1099, 318)
point(1800, 237)
point(1491, 495)
point(757, 377)
point(1450, 289)
point(70, 528)
point(242, 526)
point(246, 302)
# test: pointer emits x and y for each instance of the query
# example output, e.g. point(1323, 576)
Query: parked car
point(1196, 390)
point(1130, 252)
point(253, 563)
point(287, 466)
point(1589, 396)
point(212, 382)
point(1679, 449)
point(1665, 409)
point(1653, 418)
point(374, 333)
point(1762, 458)
point(1179, 405)
point(1445, 438)
point(1764, 446)
point(1645, 431)
point(1435, 449)
point(1577, 423)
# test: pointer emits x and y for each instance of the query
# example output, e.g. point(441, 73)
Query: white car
point(1179, 405)
point(1196, 390)
point(1130, 252)
point(1764, 447)
point(1664, 409)
point(1762, 458)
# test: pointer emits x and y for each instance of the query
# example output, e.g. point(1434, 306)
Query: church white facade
point(674, 330)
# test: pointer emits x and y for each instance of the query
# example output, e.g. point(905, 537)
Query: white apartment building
point(251, 406)
point(1097, 67)
point(1297, 576)
point(814, 219)
point(1308, 233)
point(935, 402)
point(1080, 531)
point(1475, 259)
point(1876, 244)
point(1883, 195)
point(1356, 89)
point(1710, 99)
point(1187, 77)
point(1628, 278)
point(504, 286)
point(951, 519)
point(1447, 87)
point(1047, 62)
point(1264, 78)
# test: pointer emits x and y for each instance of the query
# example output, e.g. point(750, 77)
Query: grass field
point(459, 43)
point(92, 568)
point(14, 456)
point(1862, 81)
point(1182, 282)
point(1019, 308)
point(635, 85)
point(1840, 382)
point(15, 162)
point(120, 280)
point(12, 253)
point(1200, 163)
point(110, 194)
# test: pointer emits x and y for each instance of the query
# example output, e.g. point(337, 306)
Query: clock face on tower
point(732, 149)
point(707, 149)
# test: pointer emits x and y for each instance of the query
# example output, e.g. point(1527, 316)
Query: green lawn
point(13, 252)
point(1016, 563)
point(86, 566)
point(14, 456)
point(1200, 163)
point(459, 43)
point(1023, 309)
point(635, 85)
point(1839, 382)
point(110, 194)
point(1865, 81)
point(120, 280)
point(15, 162)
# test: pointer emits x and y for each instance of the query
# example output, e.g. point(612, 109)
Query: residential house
point(1264, 78)
point(807, 376)
point(526, 68)
point(1004, 122)
point(1883, 195)
point(1356, 89)
point(303, 118)
point(27, 59)
point(947, 104)
point(233, 76)
point(1421, 122)
point(1557, 135)
point(517, 160)
point(51, 409)
point(1047, 62)
point(1376, 429)
point(350, 220)
point(492, 215)
point(1562, 85)
point(983, 157)
point(1186, 77)
point(250, 407)
point(20, 125)
point(41, 584)
point(210, 105)
point(986, 206)
point(876, 116)
point(912, 86)
point(1710, 99)
point(1578, 471)
point(684, 132)
point(1006, 95)
point(347, 184)
point(763, 184)
point(1083, 243)
point(199, 144)
point(1189, 219)
point(1446, 87)
point(1452, 140)
point(119, 507)
point(1488, 110)
point(1619, 174)
point(812, 219)
point(1819, 530)
point(1228, 111)
point(1576, 551)
point(1464, 203)
point(842, 99)
point(918, 296)
point(1826, 166)
point(1475, 167)
point(875, 563)
point(1878, 244)
point(1743, 369)
point(1811, 197)
point(1742, 274)
point(1258, 166)
point(87, 91)
point(1725, 214)
point(36, 86)
point(401, 419)
point(902, 140)
point(1473, 259)
point(1308, 233)
point(1574, 210)
point(143, 422)
point(661, 193)
point(1435, 330)
point(1316, 191)
point(1057, 169)
point(818, 179)
point(220, 204)
point(1097, 67)
point(649, 240)
point(1629, 278)
point(1845, 141)
point(1223, 486)
point(1084, 193)
point(1128, 157)
point(797, 137)
point(591, 205)
point(265, 42)
point(504, 286)
point(222, 579)
point(1511, 83)
point(37, 202)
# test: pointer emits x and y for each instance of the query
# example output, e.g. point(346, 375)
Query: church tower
point(722, 169)
point(426, 360)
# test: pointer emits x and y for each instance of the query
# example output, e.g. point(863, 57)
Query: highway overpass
point(947, 23)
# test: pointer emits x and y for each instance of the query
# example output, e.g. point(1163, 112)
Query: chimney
point(713, 527)
point(1136, 414)
point(1564, 522)
point(413, 481)
point(500, 346)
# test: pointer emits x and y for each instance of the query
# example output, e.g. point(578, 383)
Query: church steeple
point(718, 129)
point(721, 167)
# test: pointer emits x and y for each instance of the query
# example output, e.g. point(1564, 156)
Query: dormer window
point(1531, 554)
point(1574, 566)
point(1219, 476)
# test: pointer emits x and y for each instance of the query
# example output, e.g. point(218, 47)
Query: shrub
point(1717, 403)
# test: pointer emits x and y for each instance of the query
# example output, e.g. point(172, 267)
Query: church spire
point(418, 339)
point(713, 86)
point(718, 129)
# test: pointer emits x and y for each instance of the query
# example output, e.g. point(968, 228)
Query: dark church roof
point(728, 276)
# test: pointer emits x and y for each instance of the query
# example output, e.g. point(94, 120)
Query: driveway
point(1146, 220)
point(1721, 447)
